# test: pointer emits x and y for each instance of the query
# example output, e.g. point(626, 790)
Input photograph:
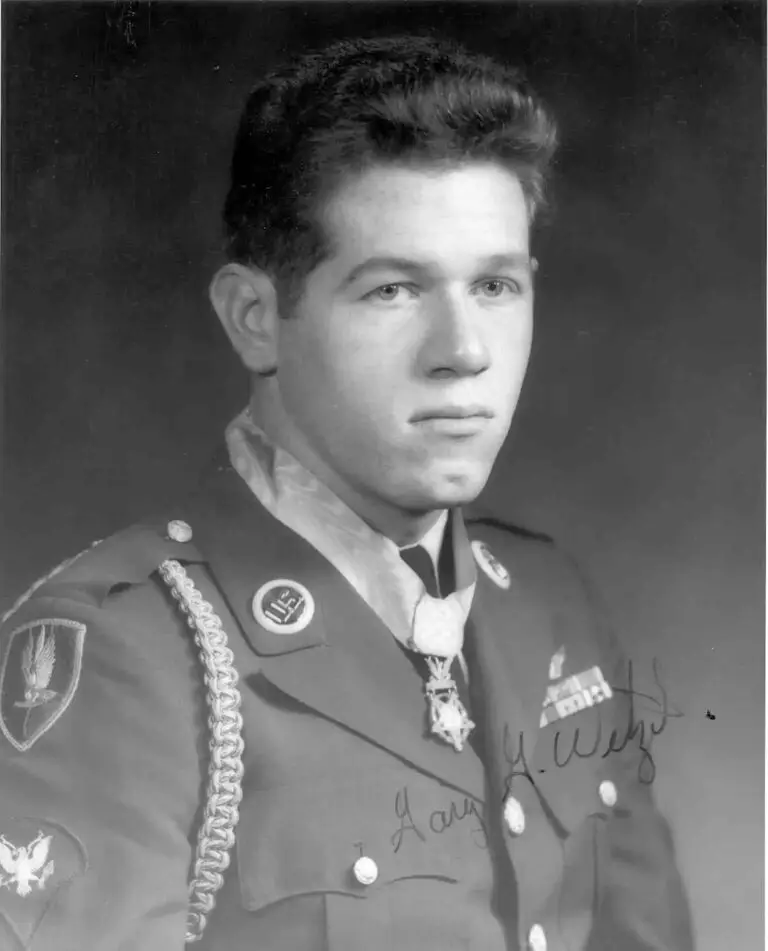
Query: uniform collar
point(432, 540)
point(368, 560)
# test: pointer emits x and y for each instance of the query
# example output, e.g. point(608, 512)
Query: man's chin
point(449, 492)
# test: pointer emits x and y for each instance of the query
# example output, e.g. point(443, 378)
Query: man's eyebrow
point(515, 259)
point(381, 263)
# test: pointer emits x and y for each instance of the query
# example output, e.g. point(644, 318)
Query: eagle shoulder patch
point(38, 678)
point(37, 858)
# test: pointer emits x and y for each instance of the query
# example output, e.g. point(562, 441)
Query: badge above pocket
point(574, 694)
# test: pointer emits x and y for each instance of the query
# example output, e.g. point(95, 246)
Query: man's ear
point(245, 300)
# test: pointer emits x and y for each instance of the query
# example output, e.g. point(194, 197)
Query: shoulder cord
point(225, 770)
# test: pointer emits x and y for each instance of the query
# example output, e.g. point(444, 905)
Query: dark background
point(639, 439)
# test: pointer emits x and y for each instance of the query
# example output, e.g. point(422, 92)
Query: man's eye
point(386, 293)
point(497, 288)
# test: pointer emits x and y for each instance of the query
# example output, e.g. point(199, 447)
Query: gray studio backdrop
point(639, 440)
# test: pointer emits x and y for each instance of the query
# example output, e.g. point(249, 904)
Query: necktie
point(417, 557)
point(437, 622)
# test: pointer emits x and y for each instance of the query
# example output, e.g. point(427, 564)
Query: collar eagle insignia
point(38, 678)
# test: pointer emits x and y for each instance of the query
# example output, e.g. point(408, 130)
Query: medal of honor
point(438, 634)
point(447, 715)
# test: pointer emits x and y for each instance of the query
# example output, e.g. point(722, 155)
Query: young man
point(322, 705)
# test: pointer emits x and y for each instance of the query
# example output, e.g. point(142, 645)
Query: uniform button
point(514, 816)
point(608, 794)
point(537, 939)
point(179, 531)
point(365, 870)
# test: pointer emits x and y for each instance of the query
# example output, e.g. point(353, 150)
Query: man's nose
point(455, 342)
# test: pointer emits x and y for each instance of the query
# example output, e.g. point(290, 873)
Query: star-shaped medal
point(447, 714)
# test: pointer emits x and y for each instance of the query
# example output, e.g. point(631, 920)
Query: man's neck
point(401, 526)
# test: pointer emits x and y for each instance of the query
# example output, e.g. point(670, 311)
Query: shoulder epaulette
point(128, 557)
point(509, 527)
point(131, 556)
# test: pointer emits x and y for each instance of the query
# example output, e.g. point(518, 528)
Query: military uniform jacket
point(146, 789)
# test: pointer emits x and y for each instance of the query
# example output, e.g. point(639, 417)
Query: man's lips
point(452, 412)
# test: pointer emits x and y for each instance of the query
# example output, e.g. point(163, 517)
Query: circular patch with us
point(283, 606)
point(491, 564)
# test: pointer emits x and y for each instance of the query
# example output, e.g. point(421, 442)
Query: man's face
point(402, 366)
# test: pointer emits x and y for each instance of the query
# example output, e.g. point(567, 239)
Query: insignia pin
point(556, 664)
point(491, 565)
point(283, 606)
point(575, 694)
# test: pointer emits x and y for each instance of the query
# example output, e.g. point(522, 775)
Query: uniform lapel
point(346, 664)
point(512, 646)
point(514, 643)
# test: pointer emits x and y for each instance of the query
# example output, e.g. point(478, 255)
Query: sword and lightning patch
point(38, 678)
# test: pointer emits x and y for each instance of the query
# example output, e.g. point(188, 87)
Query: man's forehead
point(421, 216)
point(393, 184)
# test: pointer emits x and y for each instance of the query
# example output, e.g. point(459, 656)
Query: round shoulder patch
point(283, 606)
point(491, 564)
point(38, 677)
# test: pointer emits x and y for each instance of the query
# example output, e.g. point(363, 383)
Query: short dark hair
point(409, 101)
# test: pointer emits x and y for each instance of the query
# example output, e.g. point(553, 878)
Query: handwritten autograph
point(439, 821)
point(616, 742)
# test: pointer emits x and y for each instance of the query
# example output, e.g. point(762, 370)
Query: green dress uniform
point(175, 768)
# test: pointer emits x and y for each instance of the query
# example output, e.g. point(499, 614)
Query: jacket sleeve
point(102, 763)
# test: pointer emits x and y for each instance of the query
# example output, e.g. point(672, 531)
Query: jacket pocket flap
point(306, 839)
